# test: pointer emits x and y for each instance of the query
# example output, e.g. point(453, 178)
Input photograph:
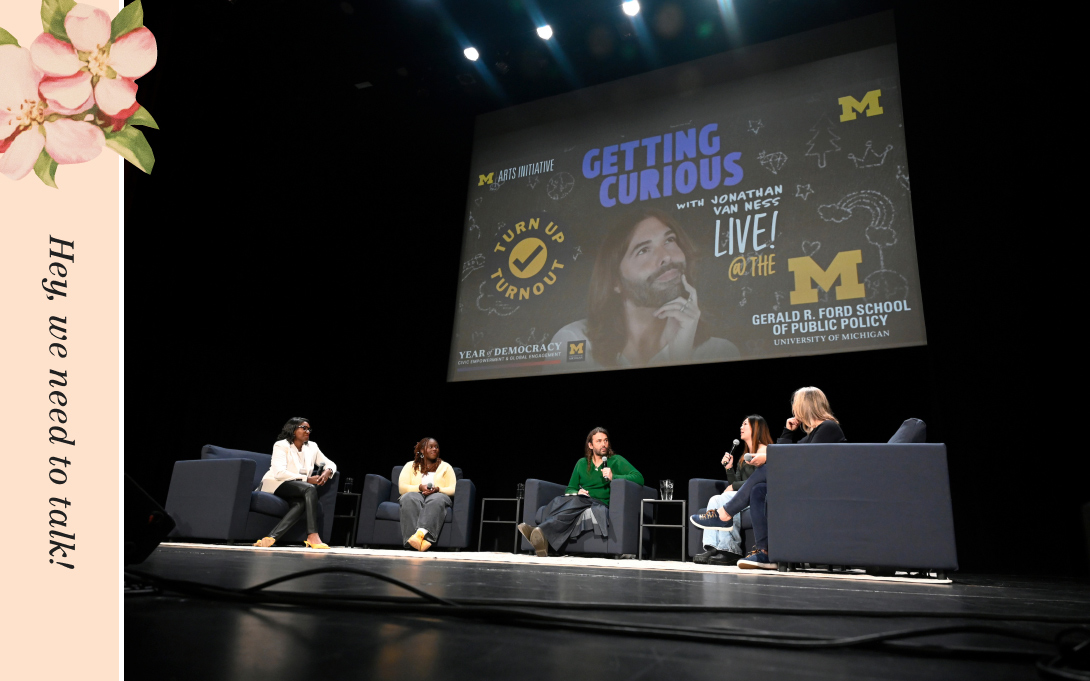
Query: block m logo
point(845, 266)
point(487, 179)
point(851, 105)
point(576, 351)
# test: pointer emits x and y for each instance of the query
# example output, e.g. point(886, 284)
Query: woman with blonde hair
point(427, 484)
point(812, 422)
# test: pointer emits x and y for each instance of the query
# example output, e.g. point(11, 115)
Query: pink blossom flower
point(28, 123)
point(93, 68)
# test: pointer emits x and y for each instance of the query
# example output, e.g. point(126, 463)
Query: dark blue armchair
point(380, 514)
point(624, 517)
point(700, 490)
point(218, 498)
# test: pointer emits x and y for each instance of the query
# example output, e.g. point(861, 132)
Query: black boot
point(705, 558)
point(724, 558)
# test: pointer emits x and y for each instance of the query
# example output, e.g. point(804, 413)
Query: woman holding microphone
point(812, 422)
point(724, 546)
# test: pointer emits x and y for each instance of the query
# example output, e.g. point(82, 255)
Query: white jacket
point(288, 463)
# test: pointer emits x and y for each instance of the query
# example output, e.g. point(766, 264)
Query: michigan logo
point(850, 105)
point(487, 179)
point(845, 267)
point(577, 351)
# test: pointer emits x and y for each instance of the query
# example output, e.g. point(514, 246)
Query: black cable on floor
point(632, 607)
point(510, 616)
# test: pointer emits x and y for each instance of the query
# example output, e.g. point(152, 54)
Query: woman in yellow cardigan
point(426, 484)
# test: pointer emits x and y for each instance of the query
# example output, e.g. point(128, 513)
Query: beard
point(649, 293)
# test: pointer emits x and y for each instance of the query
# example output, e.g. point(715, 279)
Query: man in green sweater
point(584, 505)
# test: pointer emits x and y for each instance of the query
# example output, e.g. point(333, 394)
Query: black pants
point(752, 493)
point(301, 496)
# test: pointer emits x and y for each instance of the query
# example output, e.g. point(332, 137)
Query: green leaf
point(131, 144)
point(142, 117)
point(53, 14)
point(46, 169)
point(7, 38)
point(128, 19)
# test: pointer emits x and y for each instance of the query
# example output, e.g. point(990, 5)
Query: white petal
point(67, 93)
point(69, 141)
point(88, 27)
point(114, 95)
point(18, 77)
point(134, 53)
point(54, 57)
point(7, 124)
point(21, 156)
point(55, 107)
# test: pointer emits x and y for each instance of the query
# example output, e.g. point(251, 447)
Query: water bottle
point(347, 485)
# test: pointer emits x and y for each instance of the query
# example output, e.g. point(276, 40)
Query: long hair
point(288, 431)
point(606, 329)
point(587, 452)
point(810, 404)
point(759, 432)
point(420, 463)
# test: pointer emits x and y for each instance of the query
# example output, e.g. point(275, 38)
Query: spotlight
point(471, 53)
point(545, 32)
point(631, 8)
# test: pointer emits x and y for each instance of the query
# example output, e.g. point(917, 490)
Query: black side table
point(683, 526)
point(354, 506)
point(515, 522)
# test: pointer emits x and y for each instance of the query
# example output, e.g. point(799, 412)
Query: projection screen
point(752, 204)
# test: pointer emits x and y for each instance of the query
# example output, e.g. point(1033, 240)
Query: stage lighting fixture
point(631, 8)
point(472, 54)
point(545, 32)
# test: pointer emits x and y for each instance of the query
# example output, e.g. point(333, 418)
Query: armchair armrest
point(538, 494)
point(327, 501)
point(210, 498)
point(624, 515)
point(376, 489)
point(465, 501)
point(702, 489)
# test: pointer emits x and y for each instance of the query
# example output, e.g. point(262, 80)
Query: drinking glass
point(666, 490)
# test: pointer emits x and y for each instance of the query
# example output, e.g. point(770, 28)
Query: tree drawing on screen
point(823, 142)
point(73, 91)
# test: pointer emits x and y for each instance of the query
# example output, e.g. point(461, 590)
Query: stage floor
point(174, 637)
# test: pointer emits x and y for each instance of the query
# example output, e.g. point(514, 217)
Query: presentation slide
point(754, 204)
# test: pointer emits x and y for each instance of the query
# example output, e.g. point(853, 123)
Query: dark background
point(296, 252)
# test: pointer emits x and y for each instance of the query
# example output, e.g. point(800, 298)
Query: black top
point(826, 432)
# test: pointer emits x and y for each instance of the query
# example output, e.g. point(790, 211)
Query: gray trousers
point(428, 512)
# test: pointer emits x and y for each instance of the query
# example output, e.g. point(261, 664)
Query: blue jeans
point(723, 540)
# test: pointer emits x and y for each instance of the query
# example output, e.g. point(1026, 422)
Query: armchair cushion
point(911, 431)
point(269, 504)
point(391, 510)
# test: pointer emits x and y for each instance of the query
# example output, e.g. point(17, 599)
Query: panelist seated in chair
point(585, 503)
point(724, 547)
point(427, 485)
point(812, 422)
point(291, 478)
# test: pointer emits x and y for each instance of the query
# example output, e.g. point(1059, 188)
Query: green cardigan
point(595, 483)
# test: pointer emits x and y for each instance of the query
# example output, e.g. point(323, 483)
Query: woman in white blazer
point(293, 459)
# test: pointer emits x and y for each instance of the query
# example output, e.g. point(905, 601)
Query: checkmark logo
point(528, 257)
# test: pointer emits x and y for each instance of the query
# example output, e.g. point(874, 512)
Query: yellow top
point(443, 478)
